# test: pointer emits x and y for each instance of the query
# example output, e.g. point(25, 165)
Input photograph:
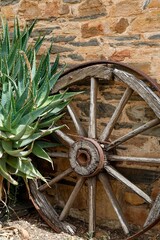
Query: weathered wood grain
point(154, 212)
point(55, 180)
point(133, 159)
point(98, 71)
point(109, 191)
point(92, 204)
point(77, 123)
point(92, 131)
point(134, 133)
point(143, 90)
point(65, 138)
point(113, 172)
point(46, 210)
point(72, 198)
point(110, 125)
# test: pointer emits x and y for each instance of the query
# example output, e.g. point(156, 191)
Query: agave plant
point(28, 111)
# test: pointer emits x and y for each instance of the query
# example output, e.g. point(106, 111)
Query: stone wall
point(87, 30)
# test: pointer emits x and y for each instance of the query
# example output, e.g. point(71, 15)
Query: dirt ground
point(32, 227)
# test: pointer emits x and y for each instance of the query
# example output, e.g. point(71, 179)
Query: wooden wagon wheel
point(97, 147)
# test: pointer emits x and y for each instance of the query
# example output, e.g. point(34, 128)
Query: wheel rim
point(92, 154)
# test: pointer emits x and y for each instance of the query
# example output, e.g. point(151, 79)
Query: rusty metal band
point(124, 65)
point(145, 229)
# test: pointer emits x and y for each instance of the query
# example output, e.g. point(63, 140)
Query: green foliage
point(27, 110)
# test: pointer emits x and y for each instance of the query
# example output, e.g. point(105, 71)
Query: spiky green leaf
point(25, 166)
point(41, 153)
point(4, 172)
point(8, 148)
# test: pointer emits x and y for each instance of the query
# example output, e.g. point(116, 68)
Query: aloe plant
point(28, 111)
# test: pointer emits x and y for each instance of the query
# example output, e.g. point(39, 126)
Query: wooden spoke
point(108, 129)
point(72, 198)
point(134, 133)
point(92, 132)
point(113, 172)
point(92, 204)
point(108, 189)
point(133, 159)
point(55, 180)
point(69, 141)
point(58, 154)
point(154, 213)
point(80, 130)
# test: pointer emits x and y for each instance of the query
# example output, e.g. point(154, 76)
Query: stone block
point(144, 66)
point(92, 42)
point(121, 26)
point(60, 49)
point(8, 2)
point(127, 38)
point(154, 36)
point(84, 18)
point(91, 30)
point(95, 55)
point(155, 189)
point(9, 11)
point(52, 9)
point(71, 1)
point(62, 38)
point(29, 9)
point(119, 56)
point(133, 199)
point(64, 9)
point(124, 8)
point(149, 22)
point(91, 7)
point(76, 57)
point(103, 110)
point(136, 214)
point(154, 4)
point(138, 112)
point(41, 32)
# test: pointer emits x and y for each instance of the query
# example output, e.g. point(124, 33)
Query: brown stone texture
point(154, 4)
point(121, 55)
point(155, 189)
point(133, 199)
point(52, 9)
point(8, 11)
point(92, 30)
point(91, 7)
point(64, 9)
point(149, 22)
point(29, 9)
point(136, 214)
point(121, 25)
point(125, 8)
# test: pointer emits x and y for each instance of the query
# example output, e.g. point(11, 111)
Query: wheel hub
point(86, 157)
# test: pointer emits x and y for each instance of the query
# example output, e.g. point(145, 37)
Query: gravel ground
point(25, 229)
point(32, 227)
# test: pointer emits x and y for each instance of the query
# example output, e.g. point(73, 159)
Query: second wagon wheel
point(112, 130)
